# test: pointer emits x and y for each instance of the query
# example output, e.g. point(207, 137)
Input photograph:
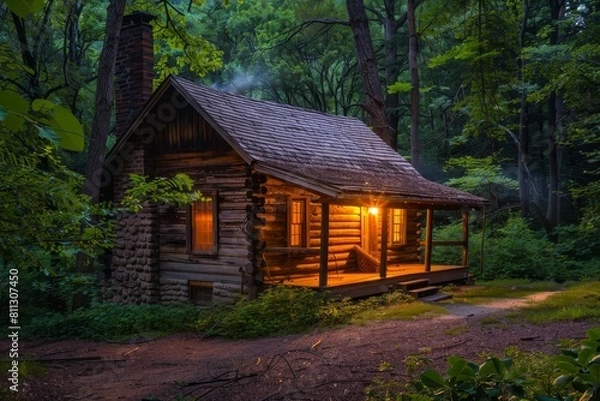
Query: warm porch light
point(374, 210)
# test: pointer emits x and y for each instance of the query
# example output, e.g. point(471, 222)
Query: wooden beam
point(465, 237)
point(384, 243)
point(324, 255)
point(428, 239)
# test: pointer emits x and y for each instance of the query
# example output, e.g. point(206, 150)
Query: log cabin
point(290, 196)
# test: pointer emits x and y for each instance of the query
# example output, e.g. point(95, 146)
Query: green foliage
point(578, 301)
point(43, 211)
point(177, 191)
point(516, 251)
point(25, 7)
point(481, 176)
point(286, 310)
point(277, 311)
point(494, 380)
point(53, 122)
point(519, 376)
point(580, 368)
point(486, 291)
point(112, 321)
point(513, 250)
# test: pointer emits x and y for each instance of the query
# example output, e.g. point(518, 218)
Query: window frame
point(213, 251)
point(305, 225)
point(403, 225)
point(201, 292)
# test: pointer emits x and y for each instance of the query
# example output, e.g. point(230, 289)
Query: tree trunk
point(374, 104)
point(524, 135)
point(413, 65)
point(392, 102)
point(104, 100)
point(557, 10)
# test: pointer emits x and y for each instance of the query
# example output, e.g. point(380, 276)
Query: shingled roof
point(336, 156)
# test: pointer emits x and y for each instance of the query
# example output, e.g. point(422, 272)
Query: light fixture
point(374, 210)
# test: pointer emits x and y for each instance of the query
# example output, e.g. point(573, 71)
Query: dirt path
point(322, 365)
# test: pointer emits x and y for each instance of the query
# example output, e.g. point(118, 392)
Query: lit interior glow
point(373, 210)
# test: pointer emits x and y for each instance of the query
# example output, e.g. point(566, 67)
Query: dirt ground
point(323, 365)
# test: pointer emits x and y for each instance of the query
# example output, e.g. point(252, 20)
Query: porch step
point(435, 297)
point(424, 291)
point(413, 284)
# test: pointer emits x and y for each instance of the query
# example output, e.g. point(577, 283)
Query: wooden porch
point(351, 271)
point(361, 284)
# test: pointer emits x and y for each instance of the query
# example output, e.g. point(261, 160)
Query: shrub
point(516, 251)
point(525, 377)
point(277, 311)
point(113, 321)
point(288, 310)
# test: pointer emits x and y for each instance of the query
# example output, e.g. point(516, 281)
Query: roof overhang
point(307, 183)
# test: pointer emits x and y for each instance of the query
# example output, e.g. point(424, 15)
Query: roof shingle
point(340, 156)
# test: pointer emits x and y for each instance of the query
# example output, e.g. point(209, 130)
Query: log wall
point(224, 174)
point(345, 232)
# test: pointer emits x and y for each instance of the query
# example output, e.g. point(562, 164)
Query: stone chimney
point(134, 69)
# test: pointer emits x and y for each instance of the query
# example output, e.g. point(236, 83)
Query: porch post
point(465, 237)
point(384, 243)
point(324, 255)
point(428, 239)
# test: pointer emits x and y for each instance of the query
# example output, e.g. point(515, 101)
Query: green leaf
point(68, 128)
point(432, 379)
point(586, 355)
point(13, 102)
point(562, 381)
point(25, 7)
point(568, 367)
point(42, 105)
point(399, 87)
point(594, 334)
point(3, 113)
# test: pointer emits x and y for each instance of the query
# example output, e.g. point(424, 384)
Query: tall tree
point(555, 113)
point(413, 65)
point(104, 99)
point(367, 61)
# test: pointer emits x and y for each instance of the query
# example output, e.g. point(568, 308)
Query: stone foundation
point(177, 292)
point(134, 273)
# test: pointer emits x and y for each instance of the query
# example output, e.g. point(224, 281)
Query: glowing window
point(398, 229)
point(203, 226)
point(297, 223)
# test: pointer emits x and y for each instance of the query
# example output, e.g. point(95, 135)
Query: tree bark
point(413, 65)
point(374, 103)
point(392, 102)
point(104, 100)
point(524, 135)
point(557, 10)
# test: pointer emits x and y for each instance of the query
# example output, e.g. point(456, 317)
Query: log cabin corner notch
point(294, 197)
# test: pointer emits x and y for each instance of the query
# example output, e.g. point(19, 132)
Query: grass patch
point(400, 311)
point(577, 302)
point(499, 289)
point(287, 310)
point(456, 330)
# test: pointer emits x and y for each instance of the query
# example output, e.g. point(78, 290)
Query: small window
point(398, 229)
point(201, 292)
point(202, 226)
point(298, 223)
